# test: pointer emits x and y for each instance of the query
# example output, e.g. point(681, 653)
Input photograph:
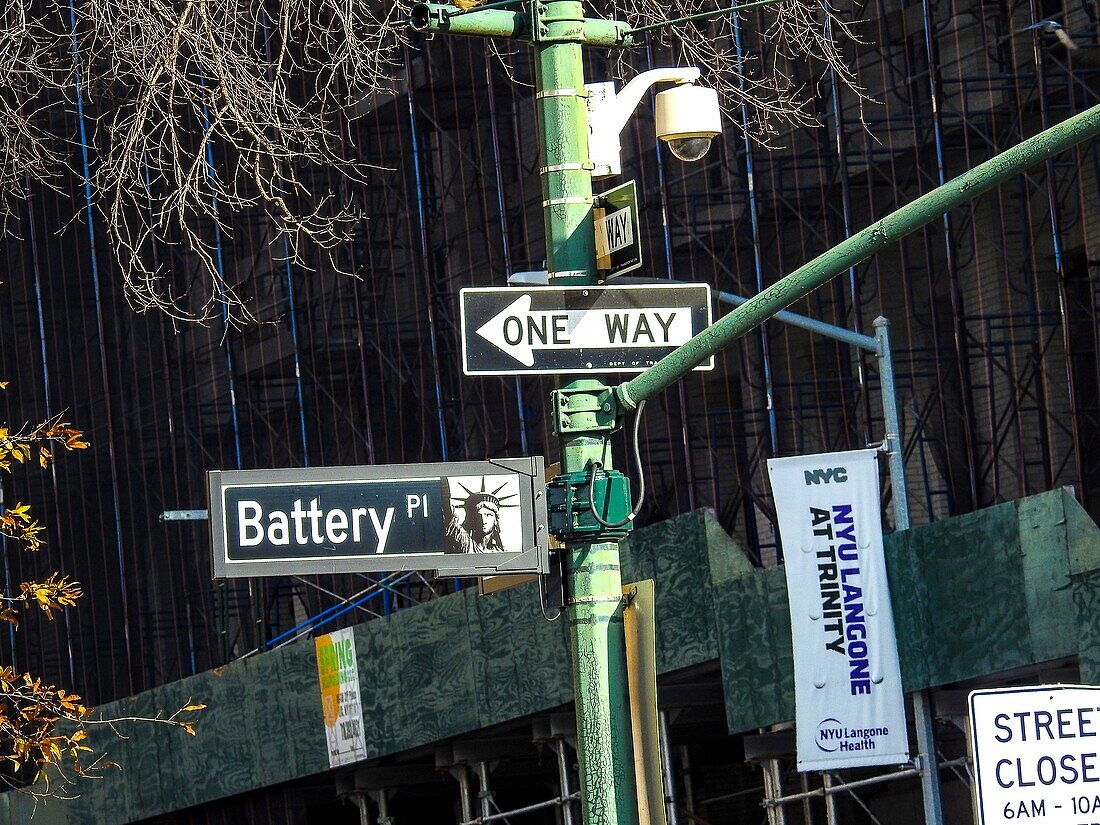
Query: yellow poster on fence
point(338, 674)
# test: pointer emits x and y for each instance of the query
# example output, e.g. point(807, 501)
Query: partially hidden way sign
point(618, 239)
point(1036, 754)
point(470, 518)
point(338, 674)
point(849, 705)
point(556, 330)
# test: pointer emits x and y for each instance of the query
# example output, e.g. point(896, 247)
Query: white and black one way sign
point(470, 518)
point(558, 330)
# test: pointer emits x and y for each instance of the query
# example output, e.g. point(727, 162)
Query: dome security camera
point(688, 119)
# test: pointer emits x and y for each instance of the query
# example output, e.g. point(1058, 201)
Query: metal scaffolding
point(996, 347)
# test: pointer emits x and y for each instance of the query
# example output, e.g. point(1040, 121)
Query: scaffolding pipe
point(112, 458)
point(425, 258)
point(666, 235)
point(773, 789)
point(362, 802)
point(1059, 263)
point(757, 253)
point(807, 808)
point(859, 247)
point(382, 799)
point(830, 799)
point(840, 136)
point(673, 816)
point(327, 615)
point(527, 809)
point(32, 237)
point(958, 329)
point(505, 237)
point(844, 787)
point(689, 788)
point(465, 798)
point(563, 781)
point(485, 794)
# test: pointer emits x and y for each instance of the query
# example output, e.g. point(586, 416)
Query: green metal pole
point(862, 245)
point(595, 604)
point(583, 412)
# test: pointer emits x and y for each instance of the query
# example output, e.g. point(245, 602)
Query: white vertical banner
point(849, 706)
point(338, 673)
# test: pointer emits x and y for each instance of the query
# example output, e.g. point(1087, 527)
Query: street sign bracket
point(584, 408)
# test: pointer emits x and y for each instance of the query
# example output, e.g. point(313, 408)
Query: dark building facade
point(993, 317)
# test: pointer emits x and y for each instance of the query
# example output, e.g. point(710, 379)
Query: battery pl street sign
point(1035, 754)
point(618, 237)
point(558, 330)
point(471, 518)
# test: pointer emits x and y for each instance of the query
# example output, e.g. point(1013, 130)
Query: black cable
point(597, 466)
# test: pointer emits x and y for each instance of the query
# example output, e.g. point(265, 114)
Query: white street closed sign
point(1037, 754)
point(511, 331)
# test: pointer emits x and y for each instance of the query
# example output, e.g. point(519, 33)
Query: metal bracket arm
point(584, 411)
point(430, 18)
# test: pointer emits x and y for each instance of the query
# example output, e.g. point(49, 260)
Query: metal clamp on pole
point(586, 407)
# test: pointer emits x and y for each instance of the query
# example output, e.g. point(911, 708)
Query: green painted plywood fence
point(442, 669)
point(983, 593)
point(980, 594)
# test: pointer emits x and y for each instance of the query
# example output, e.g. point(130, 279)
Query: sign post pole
point(583, 420)
point(584, 411)
point(923, 718)
point(880, 345)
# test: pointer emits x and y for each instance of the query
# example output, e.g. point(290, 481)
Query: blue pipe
point(758, 264)
point(220, 262)
point(40, 313)
point(112, 459)
point(666, 232)
point(290, 296)
point(327, 615)
point(422, 223)
point(504, 239)
point(846, 336)
point(757, 258)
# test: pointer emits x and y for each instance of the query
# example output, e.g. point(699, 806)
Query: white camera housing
point(688, 119)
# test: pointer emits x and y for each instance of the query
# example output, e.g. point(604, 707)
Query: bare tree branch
point(225, 108)
point(205, 117)
point(29, 70)
point(758, 76)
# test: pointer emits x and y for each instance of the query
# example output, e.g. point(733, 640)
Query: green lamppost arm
point(859, 247)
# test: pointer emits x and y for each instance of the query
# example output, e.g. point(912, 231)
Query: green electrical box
point(570, 508)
